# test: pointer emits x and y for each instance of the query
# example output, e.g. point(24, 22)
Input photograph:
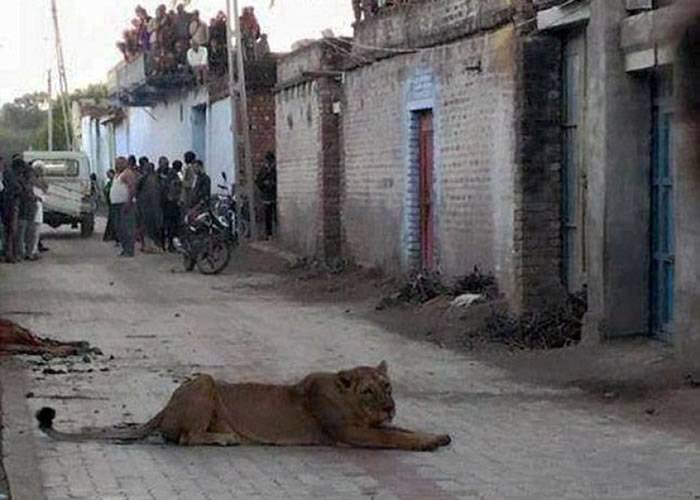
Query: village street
point(510, 440)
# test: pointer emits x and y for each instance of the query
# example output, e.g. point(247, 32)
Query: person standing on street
point(171, 205)
point(110, 229)
point(188, 178)
point(122, 196)
point(40, 188)
point(266, 182)
point(11, 211)
point(149, 199)
point(201, 192)
point(27, 209)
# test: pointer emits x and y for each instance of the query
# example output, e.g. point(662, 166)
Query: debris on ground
point(423, 287)
point(692, 380)
point(468, 299)
point(315, 268)
point(14, 339)
point(420, 288)
point(552, 328)
point(476, 283)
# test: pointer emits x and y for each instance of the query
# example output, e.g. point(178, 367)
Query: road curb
point(21, 461)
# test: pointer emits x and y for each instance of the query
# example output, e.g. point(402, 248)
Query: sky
point(91, 28)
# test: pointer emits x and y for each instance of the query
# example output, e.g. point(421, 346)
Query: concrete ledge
point(564, 16)
point(634, 5)
point(644, 39)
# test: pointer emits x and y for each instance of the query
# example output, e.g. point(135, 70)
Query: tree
point(41, 137)
point(24, 113)
point(24, 121)
point(92, 91)
point(20, 120)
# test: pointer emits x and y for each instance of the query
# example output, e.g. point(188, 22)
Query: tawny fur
point(348, 408)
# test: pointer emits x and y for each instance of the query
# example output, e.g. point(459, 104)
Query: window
point(61, 168)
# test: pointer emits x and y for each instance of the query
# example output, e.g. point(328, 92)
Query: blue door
point(199, 131)
point(662, 231)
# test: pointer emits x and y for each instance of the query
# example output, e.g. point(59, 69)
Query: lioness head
point(368, 391)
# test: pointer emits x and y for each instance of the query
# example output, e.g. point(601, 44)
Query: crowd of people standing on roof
point(147, 203)
point(22, 186)
point(178, 40)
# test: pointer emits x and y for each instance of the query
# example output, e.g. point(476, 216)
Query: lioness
point(348, 408)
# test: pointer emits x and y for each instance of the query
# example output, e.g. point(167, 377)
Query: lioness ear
point(344, 379)
point(383, 368)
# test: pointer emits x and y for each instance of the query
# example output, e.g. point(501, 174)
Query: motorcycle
point(209, 235)
point(226, 208)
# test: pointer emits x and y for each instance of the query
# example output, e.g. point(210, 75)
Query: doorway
point(662, 221)
point(426, 171)
point(199, 131)
point(574, 180)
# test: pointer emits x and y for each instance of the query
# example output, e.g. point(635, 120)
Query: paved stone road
point(511, 440)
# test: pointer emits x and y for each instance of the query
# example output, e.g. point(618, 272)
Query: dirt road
point(510, 439)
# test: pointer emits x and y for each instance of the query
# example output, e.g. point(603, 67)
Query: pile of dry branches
point(552, 328)
point(424, 286)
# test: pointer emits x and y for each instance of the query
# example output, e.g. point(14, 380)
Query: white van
point(69, 199)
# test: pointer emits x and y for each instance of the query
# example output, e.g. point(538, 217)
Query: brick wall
point(538, 244)
point(330, 167)
point(471, 87)
point(440, 22)
point(298, 149)
point(350, 185)
point(261, 113)
point(309, 152)
point(374, 142)
point(261, 123)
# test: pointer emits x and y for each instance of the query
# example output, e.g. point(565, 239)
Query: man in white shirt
point(198, 59)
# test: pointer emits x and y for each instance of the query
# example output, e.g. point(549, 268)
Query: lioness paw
point(435, 442)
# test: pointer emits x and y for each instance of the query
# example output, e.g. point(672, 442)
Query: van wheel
point(87, 225)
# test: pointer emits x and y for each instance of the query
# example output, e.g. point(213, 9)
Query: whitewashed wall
point(97, 142)
point(167, 130)
point(220, 142)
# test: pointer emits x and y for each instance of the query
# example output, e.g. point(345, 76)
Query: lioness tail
point(46, 415)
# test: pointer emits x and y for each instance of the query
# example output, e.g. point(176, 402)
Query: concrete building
point(629, 226)
point(308, 105)
point(535, 139)
point(413, 146)
point(95, 133)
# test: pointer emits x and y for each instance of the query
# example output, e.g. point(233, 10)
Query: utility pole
point(50, 114)
point(232, 92)
point(241, 111)
point(62, 80)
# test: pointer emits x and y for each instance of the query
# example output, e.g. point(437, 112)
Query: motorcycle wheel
point(215, 257)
